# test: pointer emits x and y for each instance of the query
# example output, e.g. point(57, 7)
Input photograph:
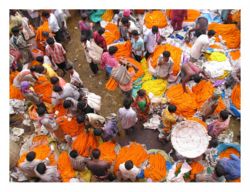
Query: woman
point(142, 104)
point(85, 27)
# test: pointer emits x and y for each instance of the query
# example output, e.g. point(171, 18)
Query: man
point(169, 118)
point(29, 164)
point(219, 125)
point(128, 171)
point(229, 168)
point(78, 162)
point(74, 77)
point(151, 40)
point(127, 116)
point(124, 28)
point(57, 81)
point(61, 16)
point(29, 94)
point(25, 75)
point(99, 39)
point(234, 76)
point(108, 61)
point(137, 46)
point(209, 106)
point(178, 16)
point(201, 25)
point(164, 66)
point(57, 54)
point(45, 68)
point(99, 168)
point(47, 173)
point(110, 128)
point(189, 71)
point(71, 105)
point(94, 120)
point(53, 25)
point(200, 45)
point(63, 92)
point(83, 108)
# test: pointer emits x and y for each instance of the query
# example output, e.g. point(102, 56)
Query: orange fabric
point(65, 168)
point(43, 87)
point(215, 46)
point(192, 15)
point(111, 84)
point(221, 106)
point(235, 180)
point(15, 93)
point(155, 18)
point(175, 55)
point(107, 151)
point(235, 55)
point(134, 152)
point(229, 32)
point(42, 152)
point(112, 33)
point(236, 96)
point(34, 63)
point(85, 143)
point(228, 152)
point(203, 91)
point(185, 102)
point(71, 128)
point(108, 15)
point(40, 140)
point(62, 111)
point(198, 120)
point(157, 167)
point(32, 113)
point(124, 49)
point(39, 37)
point(196, 169)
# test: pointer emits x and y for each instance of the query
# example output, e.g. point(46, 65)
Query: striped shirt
point(57, 53)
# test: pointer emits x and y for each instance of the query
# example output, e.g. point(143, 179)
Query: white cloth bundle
point(94, 101)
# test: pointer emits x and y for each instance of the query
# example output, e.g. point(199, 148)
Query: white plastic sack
point(95, 52)
point(94, 101)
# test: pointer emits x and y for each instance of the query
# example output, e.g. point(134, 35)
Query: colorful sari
point(141, 105)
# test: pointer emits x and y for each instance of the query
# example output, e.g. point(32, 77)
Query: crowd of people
point(161, 62)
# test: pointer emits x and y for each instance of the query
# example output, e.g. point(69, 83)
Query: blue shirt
point(231, 167)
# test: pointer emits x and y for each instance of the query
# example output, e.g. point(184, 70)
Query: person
point(29, 164)
point(218, 126)
point(98, 168)
point(50, 123)
point(57, 54)
point(28, 94)
point(25, 75)
point(200, 45)
point(164, 67)
point(34, 18)
point(71, 105)
point(86, 45)
point(110, 128)
point(229, 168)
point(57, 81)
point(169, 118)
point(151, 39)
point(189, 71)
point(131, 69)
point(99, 39)
point(137, 46)
point(45, 68)
point(47, 173)
point(128, 171)
point(54, 26)
point(142, 104)
point(108, 61)
point(18, 42)
point(201, 25)
point(127, 116)
point(78, 162)
point(234, 77)
point(209, 106)
point(61, 16)
point(178, 16)
point(74, 76)
point(83, 108)
point(85, 26)
point(124, 28)
point(67, 90)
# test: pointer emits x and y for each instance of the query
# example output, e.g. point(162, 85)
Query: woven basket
point(190, 139)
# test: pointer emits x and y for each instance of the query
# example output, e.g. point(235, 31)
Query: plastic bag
point(95, 52)
point(185, 168)
point(94, 101)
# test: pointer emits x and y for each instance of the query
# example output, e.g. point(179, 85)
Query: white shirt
point(53, 24)
point(60, 16)
point(165, 69)
point(75, 78)
point(51, 174)
point(128, 117)
point(28, 167)
point(129, 174)
point(200, 44)
point(151, 41)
